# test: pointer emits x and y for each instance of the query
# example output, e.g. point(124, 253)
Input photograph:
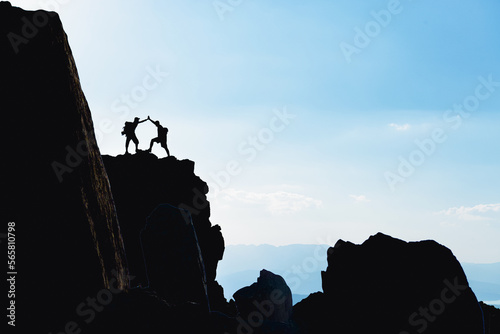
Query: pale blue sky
point(321, 175)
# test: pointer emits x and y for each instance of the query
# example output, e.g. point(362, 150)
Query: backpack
point(163, 132)
point(128, 128)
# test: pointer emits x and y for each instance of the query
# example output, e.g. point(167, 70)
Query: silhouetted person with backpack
point(162, 136)
point(129, 132)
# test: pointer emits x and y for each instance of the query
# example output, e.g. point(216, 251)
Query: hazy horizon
point(304, 244)
point(310, 122)
point(300, 266)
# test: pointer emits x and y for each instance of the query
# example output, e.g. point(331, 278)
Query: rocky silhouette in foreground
point(491, 317)
point(172, 255)
point(55, 188)
point(264, 306)
point(170, 181)
point(386, 285)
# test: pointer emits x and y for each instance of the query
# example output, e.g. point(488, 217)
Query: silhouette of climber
point(129, 132)
point(162, 136)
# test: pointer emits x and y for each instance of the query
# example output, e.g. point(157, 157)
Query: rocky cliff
point(140, 183)
point(54, 185)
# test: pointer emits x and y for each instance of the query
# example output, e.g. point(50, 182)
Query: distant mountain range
point(301, 266)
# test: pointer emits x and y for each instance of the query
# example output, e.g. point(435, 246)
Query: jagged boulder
point(387, 285)
point(311, 314)
point(173, 258)
point(265, 306)
point(56, 189)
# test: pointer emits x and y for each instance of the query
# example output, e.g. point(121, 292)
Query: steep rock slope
point(140, 182)
point(54, 184)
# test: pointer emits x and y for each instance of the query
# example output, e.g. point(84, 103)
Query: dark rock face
point(57, 191)
point(265, 306)
point(173, 258)
point(140, 183)
point(312, 314)
point(387, 285)
point(491, 318)
point(141, 310)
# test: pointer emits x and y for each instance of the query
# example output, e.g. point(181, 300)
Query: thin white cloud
point(476, 212)
point(360, 198)
point(400, 127)
point(278, 203)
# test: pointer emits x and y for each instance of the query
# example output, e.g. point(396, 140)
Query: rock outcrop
point(265, 306)
point(173, 258)
point(140, 182)
point(56, 190)
point(491, 317)
point(386, 285)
